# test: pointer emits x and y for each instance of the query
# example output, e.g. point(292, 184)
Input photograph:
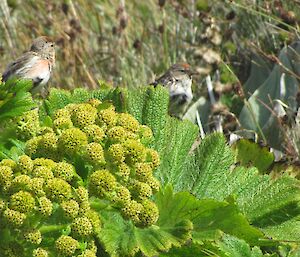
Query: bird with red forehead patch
point(35, 64)
point(178, 80)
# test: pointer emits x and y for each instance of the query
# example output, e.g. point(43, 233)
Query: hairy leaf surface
point(173, 139)
point(272, 205)
point(235, 247)
point(182, 216)
point(15, 99)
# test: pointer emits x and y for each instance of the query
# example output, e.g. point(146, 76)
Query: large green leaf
point(227, 246)
point(149, 106)
point(181, 217)
point(173, 139)
point(206, 173)
point(195, 250)
point(208, 216)
point(174, 147)
point(117, 235)
point(156, 110)
point(291, 250)
point(121, 238)
point(234, 247)
point(15, 99)
point(135, 102)
point(271, 205)
point(285, 230)
point(250, 153)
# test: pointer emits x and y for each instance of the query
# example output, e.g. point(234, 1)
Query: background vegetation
point(128, 42)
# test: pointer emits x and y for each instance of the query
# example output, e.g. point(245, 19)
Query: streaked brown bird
point(36, 64)
point(178, 80)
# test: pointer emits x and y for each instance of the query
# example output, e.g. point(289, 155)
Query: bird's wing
point(164, 80)
point(20, 66)
point(177, 75)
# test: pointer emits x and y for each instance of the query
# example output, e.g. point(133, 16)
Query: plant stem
point(98, 205)
point(51, 228)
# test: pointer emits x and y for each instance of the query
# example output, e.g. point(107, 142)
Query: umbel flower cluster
point(112, 144)
point(42, 211)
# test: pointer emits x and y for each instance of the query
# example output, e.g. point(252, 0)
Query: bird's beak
point(193, 72)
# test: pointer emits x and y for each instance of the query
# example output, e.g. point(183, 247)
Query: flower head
point(71, 140)
point(101, 182)
point(22, 201)
point(83, 115)
point(66, 245)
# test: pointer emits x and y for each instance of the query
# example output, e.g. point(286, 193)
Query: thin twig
point(202, 133)
point(210, 90)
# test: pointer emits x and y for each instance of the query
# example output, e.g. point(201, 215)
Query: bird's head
point(182, 68)
point(43, 45)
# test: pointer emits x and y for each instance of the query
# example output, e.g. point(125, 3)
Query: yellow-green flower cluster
point(66, 245)
point(28, 124)
point(41, 196)
point(113, 144)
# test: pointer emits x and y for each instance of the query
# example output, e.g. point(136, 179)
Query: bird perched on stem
point(35, 64)
point(178, 80)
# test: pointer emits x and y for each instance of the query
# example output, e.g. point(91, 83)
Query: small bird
point(178, 80)
point(36, 64)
